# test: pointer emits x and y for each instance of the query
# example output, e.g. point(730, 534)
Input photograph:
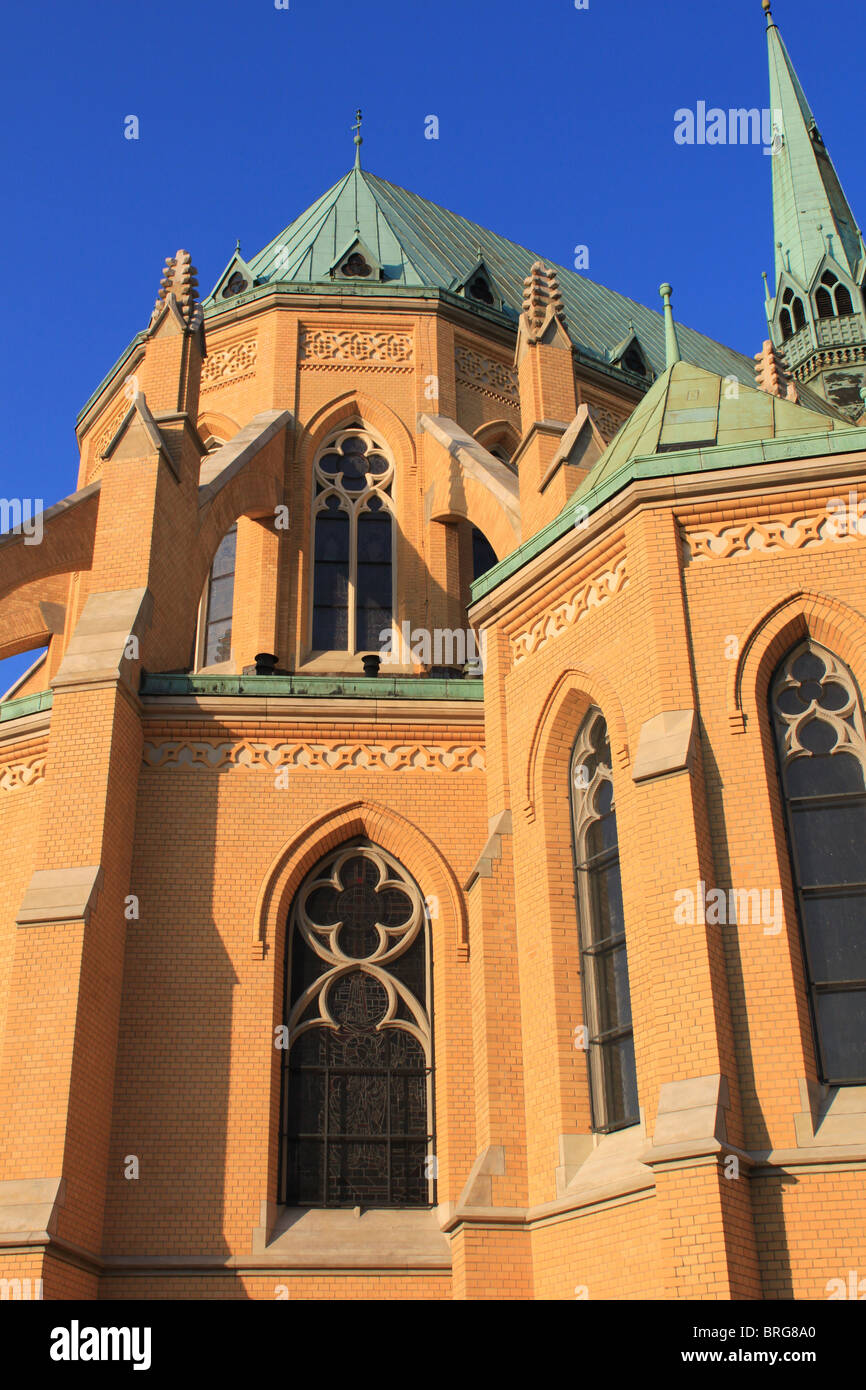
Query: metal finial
point(767, 6)
point(358, 139)
point(672, 344)
point(767, 295)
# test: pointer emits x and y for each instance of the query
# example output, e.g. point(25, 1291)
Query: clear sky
point(555, 129)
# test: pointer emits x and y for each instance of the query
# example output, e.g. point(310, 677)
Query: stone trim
point(690, 1121)
point(60, 895)
point(29, 1209)
point(309, 1237)
point(666, 744)
point(220, 467)
point(96, 650)
point(483, 868)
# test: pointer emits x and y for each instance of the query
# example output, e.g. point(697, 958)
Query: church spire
point(817, 313)
point(810, 210)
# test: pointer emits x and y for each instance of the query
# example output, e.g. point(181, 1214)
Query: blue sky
point(555, 129)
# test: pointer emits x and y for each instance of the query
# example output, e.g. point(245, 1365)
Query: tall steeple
point(817, 313)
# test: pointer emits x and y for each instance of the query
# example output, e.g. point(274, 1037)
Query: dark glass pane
point(395, 907)
point(224, 560)
point(221, 598)
point(332, 536)
point(808, 667)
point(835, 930)
point(830, 774)
point(830, 842)
point(611, 978)
point(483, 554)
point(321, 906)
point(218, 642)
point(620, 1083)
point(374, 539)
point(330, 629)
point(842, 1029)
point(601, 835)
point(818, 736)
point(605, 895)
point(408, 1171)
point(357, 1000)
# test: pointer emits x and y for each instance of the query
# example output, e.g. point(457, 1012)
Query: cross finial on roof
point(358, 138)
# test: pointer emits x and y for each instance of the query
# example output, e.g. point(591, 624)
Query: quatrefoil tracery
point(815, 686)
point(362, 898)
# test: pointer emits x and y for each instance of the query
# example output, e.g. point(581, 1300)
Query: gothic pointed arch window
point(214, 641)
point(601, 924)
point(817, 715)
point(843, 301)
point(356, 1099)
point(353, 545)
point(793, 316)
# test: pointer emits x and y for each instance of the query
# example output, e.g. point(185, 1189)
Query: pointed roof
point(808, 202)
point(688, 408)
point(690, 421)
point(422, 245)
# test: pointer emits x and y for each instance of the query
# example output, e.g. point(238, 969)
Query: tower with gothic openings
point(817, 314)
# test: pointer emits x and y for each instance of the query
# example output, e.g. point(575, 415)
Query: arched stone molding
point(498, 433)
point(557, 724)
point(803, 614)
point(356, 405)
point(212, 423)
point(393, 832)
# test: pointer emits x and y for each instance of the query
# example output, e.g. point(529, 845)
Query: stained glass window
point(353, 544)
point(357, 1078)
point(604, 963)
point(818, 721)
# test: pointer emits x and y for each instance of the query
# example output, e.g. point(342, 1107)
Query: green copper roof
point(807, 193)
point(421, 245)
point(688, 422)
point(688, 408)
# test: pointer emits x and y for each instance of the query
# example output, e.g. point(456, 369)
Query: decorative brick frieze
point(230, 363)
point(576, 605)
point(774, 535)
point(22, 772)
point(352, 347)
point(355, 757)
point(485, 374)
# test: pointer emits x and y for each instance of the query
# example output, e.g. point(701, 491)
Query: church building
point(434, 828)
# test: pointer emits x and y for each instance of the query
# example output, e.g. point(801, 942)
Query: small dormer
point(480, 287)
point(630, 357)
point(357, 262)
point(236, 279)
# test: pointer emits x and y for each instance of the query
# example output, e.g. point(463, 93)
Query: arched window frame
point(590, 771)
point(788, 724)
point(205, 621)
point(354, 504)
point(313, 1007)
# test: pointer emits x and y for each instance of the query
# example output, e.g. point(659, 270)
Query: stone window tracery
point(604, 963)
point(357, 1074)
point(353, 581)
point(821, 749)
